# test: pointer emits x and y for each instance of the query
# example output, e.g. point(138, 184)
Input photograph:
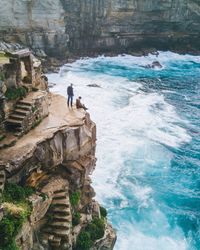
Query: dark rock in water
point(155, 64)
point(94, 85)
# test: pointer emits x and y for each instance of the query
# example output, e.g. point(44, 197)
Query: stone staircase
point(59, 227)
point(16, 121)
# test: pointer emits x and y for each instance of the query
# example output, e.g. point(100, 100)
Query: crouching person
point(79, 105)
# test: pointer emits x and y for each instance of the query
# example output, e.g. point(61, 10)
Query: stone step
point(60, 191)
point(61, 210)
point(57, 232)
point(59, 224)
point(46, 236)
point(13, 121)
point(24, 107)
point(60, 195)
point(54, 245)
point(26, 103)
point(60, 217)
point(61, 202)
point(17, 117)
point(21, 112)
point(55, 239)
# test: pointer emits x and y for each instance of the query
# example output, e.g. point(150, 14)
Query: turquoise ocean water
point(148, 148)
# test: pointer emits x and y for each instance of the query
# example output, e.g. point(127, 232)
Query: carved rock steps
point(19, 111)
point(16, 119)
point(59, 228)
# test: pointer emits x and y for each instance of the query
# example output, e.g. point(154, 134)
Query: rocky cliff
point(54, 160)
point(47, 154)
point(84, 26)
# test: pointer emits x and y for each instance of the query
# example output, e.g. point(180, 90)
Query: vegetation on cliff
point(92, 232)
point(75, 198)
point(103, 212)
point(16, 210)
point(15, 93)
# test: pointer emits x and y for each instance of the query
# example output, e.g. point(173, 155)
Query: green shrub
point(17, 209)
point(12, 246)
point(84, 241)
point(76, 218)
point(75, 198)
point(9, 227)
point(15, 193)
point(96, 229)
point(93, 231)
point(15, 93)
point(103, 212)
point(28, 191)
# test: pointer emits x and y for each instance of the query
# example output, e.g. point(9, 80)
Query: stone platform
point(60, 118)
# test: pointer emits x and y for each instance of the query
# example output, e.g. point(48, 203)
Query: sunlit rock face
point(56, 158)
point(77, 26)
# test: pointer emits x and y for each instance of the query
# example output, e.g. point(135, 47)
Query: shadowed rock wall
point(84, 26)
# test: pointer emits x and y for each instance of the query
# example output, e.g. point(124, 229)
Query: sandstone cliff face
point(56, 158)
point(83, 26)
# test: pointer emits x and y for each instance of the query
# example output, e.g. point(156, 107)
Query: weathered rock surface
point(83, 26)
point(56, 158)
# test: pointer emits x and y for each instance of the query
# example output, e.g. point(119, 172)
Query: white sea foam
point(132, 125)
point(136, 240)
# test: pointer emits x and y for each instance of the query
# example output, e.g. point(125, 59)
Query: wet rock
point(155, 64)
point(94, 85)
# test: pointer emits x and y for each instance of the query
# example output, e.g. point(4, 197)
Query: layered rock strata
point(83, 26)
point(56, 158)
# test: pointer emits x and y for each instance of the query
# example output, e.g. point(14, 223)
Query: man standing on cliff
point(70, 93)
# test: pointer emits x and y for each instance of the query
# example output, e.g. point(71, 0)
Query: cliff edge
point(47, 153)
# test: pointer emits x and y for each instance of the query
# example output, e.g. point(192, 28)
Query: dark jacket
point(70, 91)
point(79, 105)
